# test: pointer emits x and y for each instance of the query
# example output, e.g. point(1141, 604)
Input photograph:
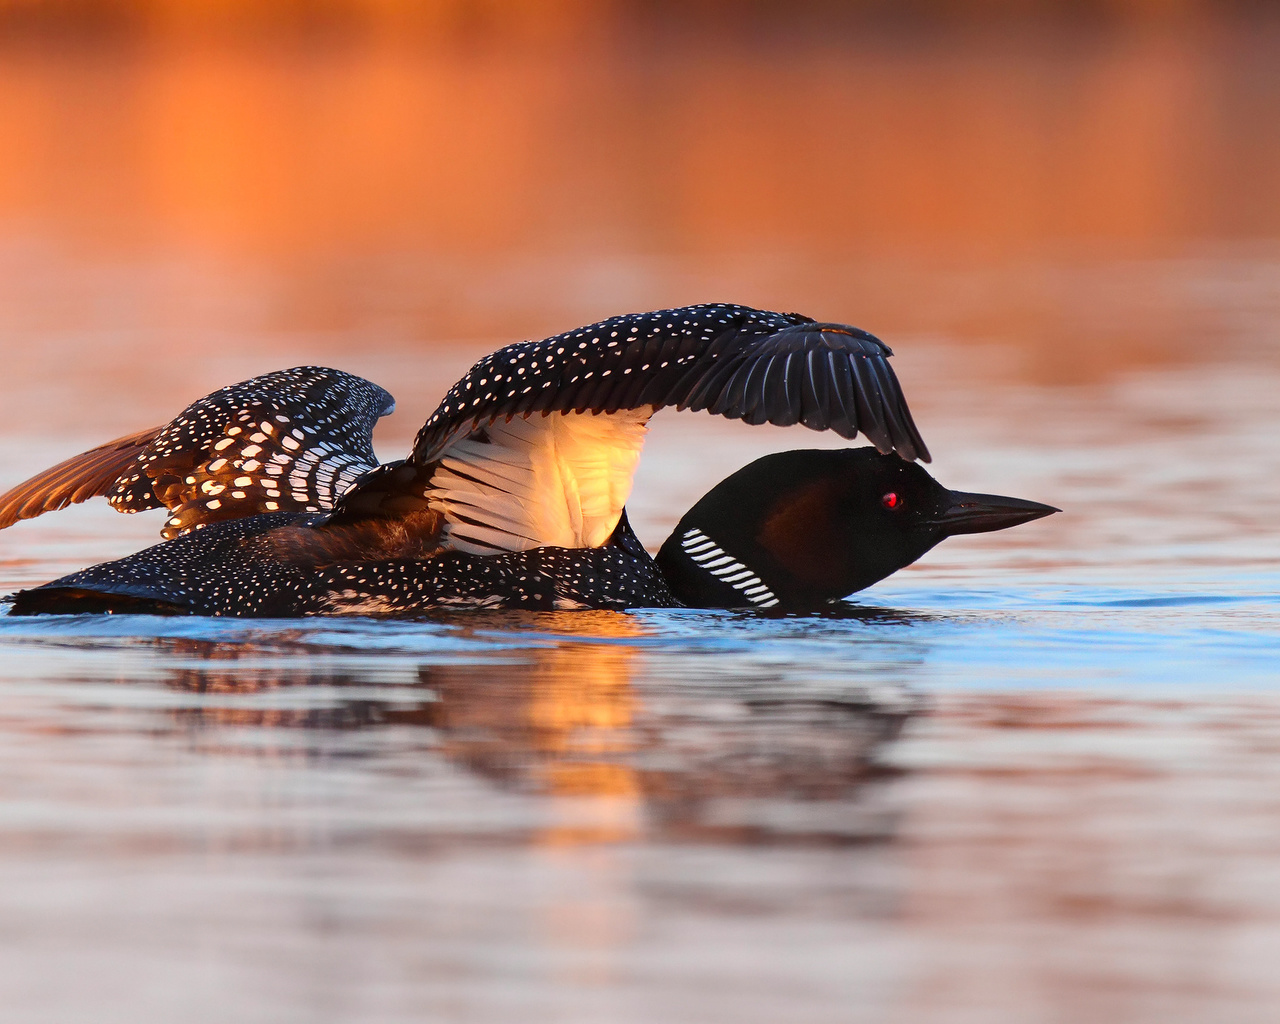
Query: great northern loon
point(513, 493)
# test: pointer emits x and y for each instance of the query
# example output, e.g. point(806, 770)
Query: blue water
point(1199, 632)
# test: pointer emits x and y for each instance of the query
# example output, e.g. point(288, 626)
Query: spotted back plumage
point(241, 568)
point(292, 440)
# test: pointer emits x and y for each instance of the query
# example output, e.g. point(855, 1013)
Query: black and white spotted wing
point(292, 440)
point(733, 361)
point(509, 475)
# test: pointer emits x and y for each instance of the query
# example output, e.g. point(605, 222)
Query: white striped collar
point(708, 555)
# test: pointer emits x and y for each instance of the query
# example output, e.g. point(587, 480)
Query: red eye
point(891, 500)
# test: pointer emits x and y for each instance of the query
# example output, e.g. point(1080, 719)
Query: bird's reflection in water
point(587, 719)
point(846, 611)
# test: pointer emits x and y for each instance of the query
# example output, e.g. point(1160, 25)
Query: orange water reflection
point(165, 192)
point(578, 719)
point(988, 142)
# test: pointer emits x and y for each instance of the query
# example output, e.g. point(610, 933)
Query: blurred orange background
point(237, 184)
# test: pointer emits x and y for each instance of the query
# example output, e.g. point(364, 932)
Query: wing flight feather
point(87, 475)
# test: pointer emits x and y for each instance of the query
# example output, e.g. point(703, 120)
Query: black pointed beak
point(982, 513)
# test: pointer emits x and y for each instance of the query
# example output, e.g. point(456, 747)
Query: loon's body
point(514, 492)
point(795, 530)
point(254, 568)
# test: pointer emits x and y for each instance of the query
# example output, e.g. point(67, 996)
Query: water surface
point(1031, 778)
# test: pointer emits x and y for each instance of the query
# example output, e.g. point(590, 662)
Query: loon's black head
point(799, 529)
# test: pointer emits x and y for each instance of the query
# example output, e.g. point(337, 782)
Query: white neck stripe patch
point(706, 554)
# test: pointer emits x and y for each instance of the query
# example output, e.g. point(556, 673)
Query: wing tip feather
point(87, 475)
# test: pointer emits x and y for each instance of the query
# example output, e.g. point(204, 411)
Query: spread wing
point(732, 361)
point(537, 444)
point(292, 440)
